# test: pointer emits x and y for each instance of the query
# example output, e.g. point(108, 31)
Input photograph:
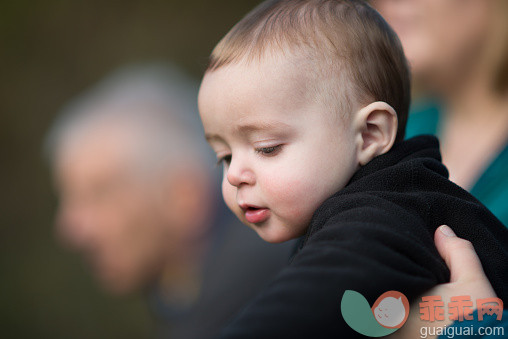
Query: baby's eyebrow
point(246, 129)
point(210, 137)
point(260, 126)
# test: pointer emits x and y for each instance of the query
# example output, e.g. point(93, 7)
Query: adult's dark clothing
point(237, 266)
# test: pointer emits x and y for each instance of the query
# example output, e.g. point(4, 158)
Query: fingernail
point(447, 231)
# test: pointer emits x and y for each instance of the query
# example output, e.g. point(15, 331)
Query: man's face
point(108, 213)
point(283, 151)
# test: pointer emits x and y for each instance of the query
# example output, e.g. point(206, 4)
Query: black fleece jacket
point(373, 236)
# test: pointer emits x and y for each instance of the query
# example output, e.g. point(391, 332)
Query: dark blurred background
point(50, 51)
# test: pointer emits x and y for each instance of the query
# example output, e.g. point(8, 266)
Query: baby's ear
point(376, 129)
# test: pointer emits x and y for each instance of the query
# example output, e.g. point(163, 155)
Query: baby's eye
point(269, 151)
point(225, 160)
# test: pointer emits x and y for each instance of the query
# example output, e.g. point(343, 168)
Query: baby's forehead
point(278, 82)
point(312, 75)
point(285, 64)
point(277, 72)
point(267, 93)
point(296, 70)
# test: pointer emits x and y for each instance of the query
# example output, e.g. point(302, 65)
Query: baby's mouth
point(255, 214)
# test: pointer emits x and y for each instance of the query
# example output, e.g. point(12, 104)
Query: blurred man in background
point(138, 200)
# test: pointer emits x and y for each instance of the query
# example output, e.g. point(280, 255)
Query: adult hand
point(466, 272)
point(466, 278)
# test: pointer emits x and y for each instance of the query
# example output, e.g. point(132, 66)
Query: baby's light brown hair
point(352, 46)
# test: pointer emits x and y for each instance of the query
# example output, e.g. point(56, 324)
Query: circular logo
point(391, 309)
point(387, 315)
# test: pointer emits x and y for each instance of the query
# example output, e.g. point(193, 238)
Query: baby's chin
point(272, 233)
point(273, 238)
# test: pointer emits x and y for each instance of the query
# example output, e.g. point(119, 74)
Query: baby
point(305, 104)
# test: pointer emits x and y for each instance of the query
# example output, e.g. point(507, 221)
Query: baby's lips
point(245, 206)
point(257, 215)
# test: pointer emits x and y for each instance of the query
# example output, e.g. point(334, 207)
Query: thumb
point(459, 255)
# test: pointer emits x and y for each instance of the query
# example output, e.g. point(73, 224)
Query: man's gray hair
point(156, 102)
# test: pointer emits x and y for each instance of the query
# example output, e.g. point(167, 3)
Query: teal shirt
point(492, 186)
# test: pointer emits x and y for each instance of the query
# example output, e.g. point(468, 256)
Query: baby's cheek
point(293, 196)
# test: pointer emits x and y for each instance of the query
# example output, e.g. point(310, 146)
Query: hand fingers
point(459, 256)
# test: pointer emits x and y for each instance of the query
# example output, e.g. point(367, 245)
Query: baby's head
point(297, 97)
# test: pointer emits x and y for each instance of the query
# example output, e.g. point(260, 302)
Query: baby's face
point(283, 151)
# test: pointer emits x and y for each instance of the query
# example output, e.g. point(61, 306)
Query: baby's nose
point(238, 173)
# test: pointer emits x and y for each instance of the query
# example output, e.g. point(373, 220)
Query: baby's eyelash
point(269, 151)
point(224, 159)
point(265, 151)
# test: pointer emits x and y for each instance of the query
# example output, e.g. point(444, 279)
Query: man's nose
point(73, 227)
point(239, 173)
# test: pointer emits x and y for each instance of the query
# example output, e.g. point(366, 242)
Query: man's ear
point(376, 129)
